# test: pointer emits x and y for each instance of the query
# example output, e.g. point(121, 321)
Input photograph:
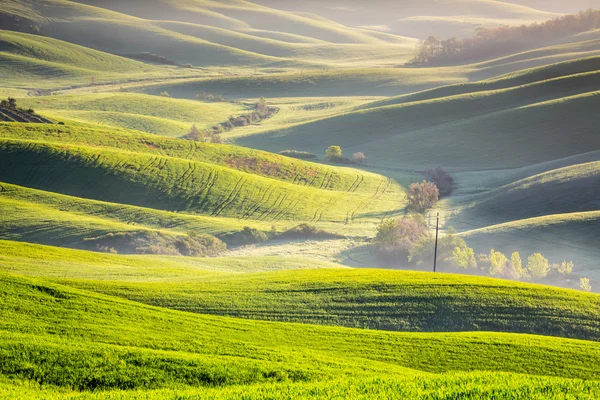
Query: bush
point(246, 237)
point(306, 231)
point(422, 196)
point(144, 242)
point(303, 155)
point(339, 160)
point(194, 134)
point(422, 252)
point(397, 237)
point(359, 158)
point(12, 102)
point(210, 97)
point(442, 180)
point(333, 152)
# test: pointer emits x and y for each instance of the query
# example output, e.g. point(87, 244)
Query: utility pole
point(437, 228)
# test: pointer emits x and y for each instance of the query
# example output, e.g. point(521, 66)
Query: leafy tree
point(514, 269)
point(396, 237)
point(443, 180)
point(422, 252)
point(538, 266)
point(359, 158)
point(195, 134)
point(422, 196)
point(333, 152)
point(464, 258)
point(12, 102)
point(4, 103)
point(566, 268)
point(584, 284)
point(498, 263)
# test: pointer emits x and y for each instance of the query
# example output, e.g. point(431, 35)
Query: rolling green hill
point(375, 299)
point(547, 193)
point(152, 114)
point(471, 131)
point(36, 62)
point(125, 344)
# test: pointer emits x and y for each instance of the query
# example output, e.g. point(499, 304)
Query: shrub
point(442, 180)
point(30, 111)
point(216, 139)
point(248, 236)
point(12, 102)
point(306, 231)
point(4, 103)
point(359, 158)
point(340, 160)
point(422, 196)
point(538, 266)
point(396, 237)
point(333, 152)
point(304, 155)
point(194, 134)
point(143, 242)
point(423, 251)
point(584, 284)
point(210, 97)
point(200, 246)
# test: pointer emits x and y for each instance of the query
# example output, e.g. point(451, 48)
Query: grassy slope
point(376, 299)
point(322, 83)
point(31, 61)
point(187, 176)
point(493, 127)
point(130, 346)
point(547, 193)
point(159, 115)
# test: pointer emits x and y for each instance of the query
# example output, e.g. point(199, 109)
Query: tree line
point(489, 42)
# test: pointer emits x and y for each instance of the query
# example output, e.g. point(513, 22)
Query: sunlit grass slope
point(551, 192)
point(376, 299)
point(571, 236)
point(175, 184)
point(152, 114)
point(32, 61)
point(36, 216)
point(251, 161)
point(320, 83)
point(503, 128)
point(99, 343)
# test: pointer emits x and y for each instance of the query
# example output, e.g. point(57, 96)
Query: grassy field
point(152, 114)
point(112, 344)
point(35, 62)
point(493, 128)
point(287, 318)
point(365, 298)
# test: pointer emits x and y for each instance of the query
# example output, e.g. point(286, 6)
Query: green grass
point(152, 114)
point(174, 184)
point(366, 298)
point(485, 386)
point(98, 343)
point(547, 193)
point(31, 61)
point(506, 128)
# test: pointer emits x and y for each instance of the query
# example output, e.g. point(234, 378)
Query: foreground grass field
point(366, 298)
point(106, 343)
